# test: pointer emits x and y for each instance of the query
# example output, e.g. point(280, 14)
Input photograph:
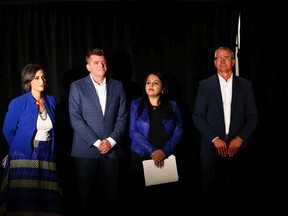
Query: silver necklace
point(43, 114)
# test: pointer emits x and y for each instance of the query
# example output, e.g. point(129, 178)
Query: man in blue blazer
point(98, 115)
point(225, 114)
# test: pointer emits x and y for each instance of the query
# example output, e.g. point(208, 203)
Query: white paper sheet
point(154, 175)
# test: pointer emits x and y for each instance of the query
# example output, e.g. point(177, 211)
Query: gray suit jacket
point(88, 121)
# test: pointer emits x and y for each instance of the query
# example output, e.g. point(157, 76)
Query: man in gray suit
point(98, 115)
point(225, 114)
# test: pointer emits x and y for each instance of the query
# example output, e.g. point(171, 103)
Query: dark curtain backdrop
point(179, 37)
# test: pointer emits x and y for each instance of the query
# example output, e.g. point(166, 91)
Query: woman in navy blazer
point(155, 130)
point(30, 184)
point(225, 114)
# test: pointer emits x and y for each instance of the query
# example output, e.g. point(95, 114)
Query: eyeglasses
point(225, 58)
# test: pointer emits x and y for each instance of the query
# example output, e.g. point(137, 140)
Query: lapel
point(145, 115)
point(91, 93)
point(109, 93)
point(235, 94)
point(218, 96)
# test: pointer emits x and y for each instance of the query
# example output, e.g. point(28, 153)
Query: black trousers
point(97, 181)
point(224, 180)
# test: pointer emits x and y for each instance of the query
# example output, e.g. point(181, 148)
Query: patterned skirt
point(30, 185)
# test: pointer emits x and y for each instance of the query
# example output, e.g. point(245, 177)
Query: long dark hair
point(164, 106)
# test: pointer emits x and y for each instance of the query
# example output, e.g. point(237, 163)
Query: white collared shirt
point(101, 92)
point(102, 95)
point(226, 92)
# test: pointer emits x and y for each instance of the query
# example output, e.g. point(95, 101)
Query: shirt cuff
point(97, 143)
point(112, 142)
point(215, 139)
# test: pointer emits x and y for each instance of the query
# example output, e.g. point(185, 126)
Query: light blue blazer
point(88, 121)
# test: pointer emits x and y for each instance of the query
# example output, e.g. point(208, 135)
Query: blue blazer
point(208, 114)
point(139, 129)
point(19, 126)
point(88, 121)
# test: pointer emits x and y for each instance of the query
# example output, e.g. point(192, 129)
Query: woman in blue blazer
point(30, 184)
point(155, 128)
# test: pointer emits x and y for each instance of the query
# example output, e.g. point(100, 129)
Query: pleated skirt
point(30, 185)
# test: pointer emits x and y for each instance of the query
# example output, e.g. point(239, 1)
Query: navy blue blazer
point(19, 126)
point(88, 121)
point(139, 129)
point(208, 114)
